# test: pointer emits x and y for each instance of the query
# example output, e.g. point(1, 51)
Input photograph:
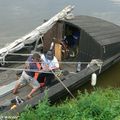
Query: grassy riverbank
point(98, 105)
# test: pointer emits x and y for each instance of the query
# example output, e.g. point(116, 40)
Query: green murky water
point(109, 78)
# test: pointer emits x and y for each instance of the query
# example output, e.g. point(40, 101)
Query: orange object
point(37, 73)
point(42, 84)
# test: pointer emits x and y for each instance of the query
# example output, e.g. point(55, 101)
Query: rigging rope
point(59, 62)
point(20, 69)
point(19, 54)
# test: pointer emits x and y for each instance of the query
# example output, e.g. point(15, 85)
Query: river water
point(109, 78)
point(19, 17)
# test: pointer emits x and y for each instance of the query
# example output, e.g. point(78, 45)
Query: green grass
point(98, 105)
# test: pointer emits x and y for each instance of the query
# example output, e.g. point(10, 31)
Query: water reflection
point(116, 2)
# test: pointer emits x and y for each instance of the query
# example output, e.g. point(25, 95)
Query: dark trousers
point(47, 77)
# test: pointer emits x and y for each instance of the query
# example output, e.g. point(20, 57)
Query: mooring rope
point(63, 84)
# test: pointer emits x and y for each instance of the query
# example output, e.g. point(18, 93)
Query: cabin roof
point(102, 31)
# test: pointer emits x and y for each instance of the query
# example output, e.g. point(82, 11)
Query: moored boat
point(91, 44)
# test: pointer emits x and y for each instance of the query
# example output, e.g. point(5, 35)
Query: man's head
point(49, 55)
point(36, 57)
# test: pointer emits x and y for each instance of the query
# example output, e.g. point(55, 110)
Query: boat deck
point(9, 76)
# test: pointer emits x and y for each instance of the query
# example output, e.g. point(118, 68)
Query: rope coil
point(97, 62)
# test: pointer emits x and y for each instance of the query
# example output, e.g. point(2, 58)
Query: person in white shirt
point(49, 63)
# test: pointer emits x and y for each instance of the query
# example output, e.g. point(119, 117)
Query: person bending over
point(28, 74)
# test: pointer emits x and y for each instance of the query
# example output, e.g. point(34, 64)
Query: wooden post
point(58, 51)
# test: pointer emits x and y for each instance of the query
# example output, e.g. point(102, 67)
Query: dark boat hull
point(72, 82)
point(93, 43)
